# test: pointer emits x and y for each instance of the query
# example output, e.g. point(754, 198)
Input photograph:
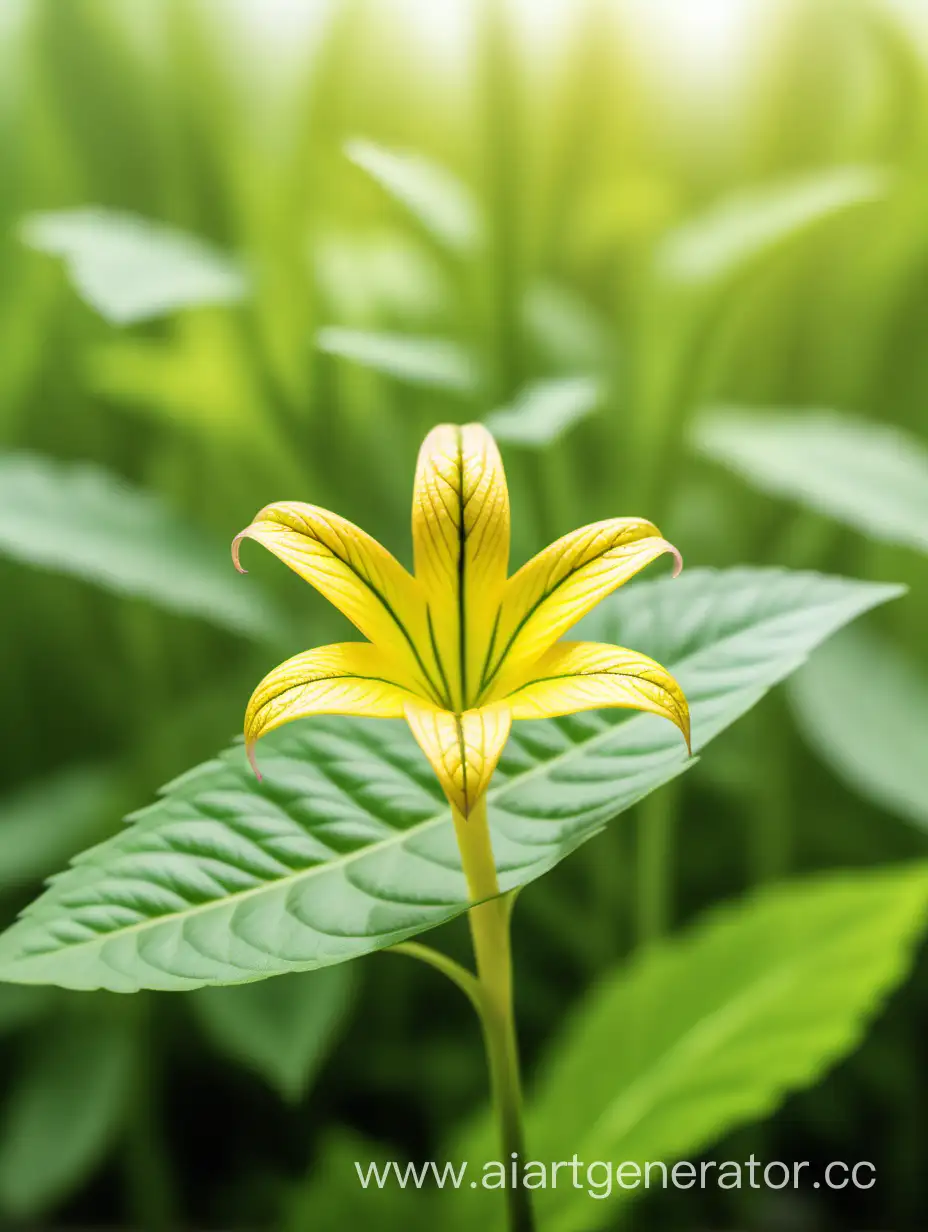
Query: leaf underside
point(346, 846)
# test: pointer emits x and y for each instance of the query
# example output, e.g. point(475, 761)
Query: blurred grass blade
point(347, 847)
point(863, 706)
point(50, 821)
point(745, 228)
point(435, 362)
point(870, 476)
point(64, 1111)
point(543, 412)
point(284, 1029)
point(131, 269)
point(712, 1029)
point(441, 203)
point(79, 519)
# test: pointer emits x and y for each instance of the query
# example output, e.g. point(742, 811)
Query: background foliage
point(675, 254)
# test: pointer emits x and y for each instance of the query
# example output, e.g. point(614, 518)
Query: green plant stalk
point(489, 922)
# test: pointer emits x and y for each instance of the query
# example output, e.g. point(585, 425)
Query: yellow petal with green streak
point(574, 676)
point(347, 678)
point(356, 574)
point(463, 748)
point(557, 587)
point(460, 528)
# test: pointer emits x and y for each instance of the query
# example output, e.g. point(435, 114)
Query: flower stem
point(489, 928)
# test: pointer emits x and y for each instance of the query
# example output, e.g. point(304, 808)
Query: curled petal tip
point(686, 732)
point(236, 545)
point(250, 750)
point(677, 559)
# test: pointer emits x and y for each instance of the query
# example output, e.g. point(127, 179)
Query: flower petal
point(460, 530)
point(576, 676)
point(559, 585)
point(462, 748)
point(356, 574)
point(347, 678)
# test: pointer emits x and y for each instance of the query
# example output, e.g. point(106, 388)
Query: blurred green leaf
point(441, 203)
point(200, 379)
point(863, 706)
point(707, 1031)
point(82, 520)
point(51, 820)
point(333, 1197)
point(66, 1106)
point(368, 278)
point(710, 1030)
point(131, 269)
point(284, 1028)
point(543, 412)
point(565, 329)
point(870, 476)
point(21, 1005)
point(751, 225)
point(434, 362)
point(346, 846)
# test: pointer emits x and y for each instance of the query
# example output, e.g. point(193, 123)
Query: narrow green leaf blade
point(712, 1029)
point(346, 846)
point(870, 476)
point(438, 199)
point(130, 269)
point(863, 706)
point(739, 231)
point(63, 1112)
point(544, 411)
point(434, 362)
point(79, 519)
point(284, 1029)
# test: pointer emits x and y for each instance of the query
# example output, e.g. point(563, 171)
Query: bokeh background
point(677, 254)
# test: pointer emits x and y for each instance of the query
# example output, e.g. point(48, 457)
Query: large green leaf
point(131, 269)
point(711, 1029)
point(741, 230)
point(282, 1030)
point(870, 476)
point(863, 706)
point(434, 362)
point(79, 519)
point(346, 846)
point(66, 1106)
point(434, 196)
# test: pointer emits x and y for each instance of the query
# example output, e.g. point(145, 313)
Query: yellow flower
point(459, 650)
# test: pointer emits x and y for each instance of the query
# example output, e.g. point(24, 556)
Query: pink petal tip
point(236, 544)
point(250, 750)
point(677, 559)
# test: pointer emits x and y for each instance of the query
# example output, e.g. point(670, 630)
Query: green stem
point(489, 928)
point(447, 966)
